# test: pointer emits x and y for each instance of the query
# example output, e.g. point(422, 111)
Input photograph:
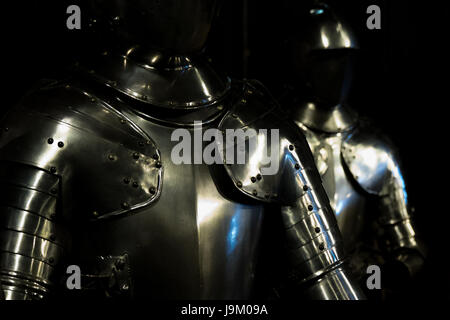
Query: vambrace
point(315, 247)
point(383, 179)
point(30, 242)
point(398, 231)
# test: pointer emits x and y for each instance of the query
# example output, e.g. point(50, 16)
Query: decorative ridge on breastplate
point(334, 120)
point(166, 81)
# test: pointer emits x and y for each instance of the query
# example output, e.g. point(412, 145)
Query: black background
point(402, 84)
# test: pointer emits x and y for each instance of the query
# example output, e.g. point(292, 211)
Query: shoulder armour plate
point(371, 159)
point(259, 116)
point(107, 164)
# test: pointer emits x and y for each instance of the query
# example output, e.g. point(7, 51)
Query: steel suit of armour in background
point(358, 164)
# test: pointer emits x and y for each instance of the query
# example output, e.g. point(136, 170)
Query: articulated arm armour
point(55, 144)
point(313, 238)
point(383, 178)
point(31, 241)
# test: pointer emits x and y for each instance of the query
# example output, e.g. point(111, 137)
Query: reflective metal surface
point(31, 243)
point(372, 161)
point(330, 120)
point(166, 231)
point(69, 132)
point(313, 238)
point(347, 203)
point(162, 80)
point(327, 31)
point(214, 237)
point(335, 285)
point(320, 48)
point(358, 164)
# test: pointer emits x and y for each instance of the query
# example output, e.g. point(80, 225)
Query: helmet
point(321, 50)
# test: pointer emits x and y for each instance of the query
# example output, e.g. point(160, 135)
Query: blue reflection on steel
point(316, 11)
point(233, 233)
point(399, 178)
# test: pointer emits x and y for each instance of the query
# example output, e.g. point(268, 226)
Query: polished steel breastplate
point(191, 243)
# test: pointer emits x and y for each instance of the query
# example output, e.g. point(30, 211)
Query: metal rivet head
point(158, 164)
point(267, 195)
point(220, 107)
point(111, 157)
point(152, 190)
point(53, 169)
point(95, 214)
point(317, 229)
point(239, 184)
point(255, 193)
point(136, 155)
point(6, 129)
point(253, 179)
point(53, 191)
point(141, 143)
point(321, 247)
point(125, 205)
point(244, 101)
point(93, 100)
point(155, 156)
point(67, 86)
point(310, 208)
point(234, 115)
point(50, 140)
point(135, 184)
point(122, 121)
point(60, 144)
point(126, 180)
point(144, 97)
point(291, 147)
point(305, 188)
point(51, 260)
point(297, 166)
point(259, 176)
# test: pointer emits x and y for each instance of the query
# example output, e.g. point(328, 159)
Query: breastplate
point(192, 243)
point(347, 203)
